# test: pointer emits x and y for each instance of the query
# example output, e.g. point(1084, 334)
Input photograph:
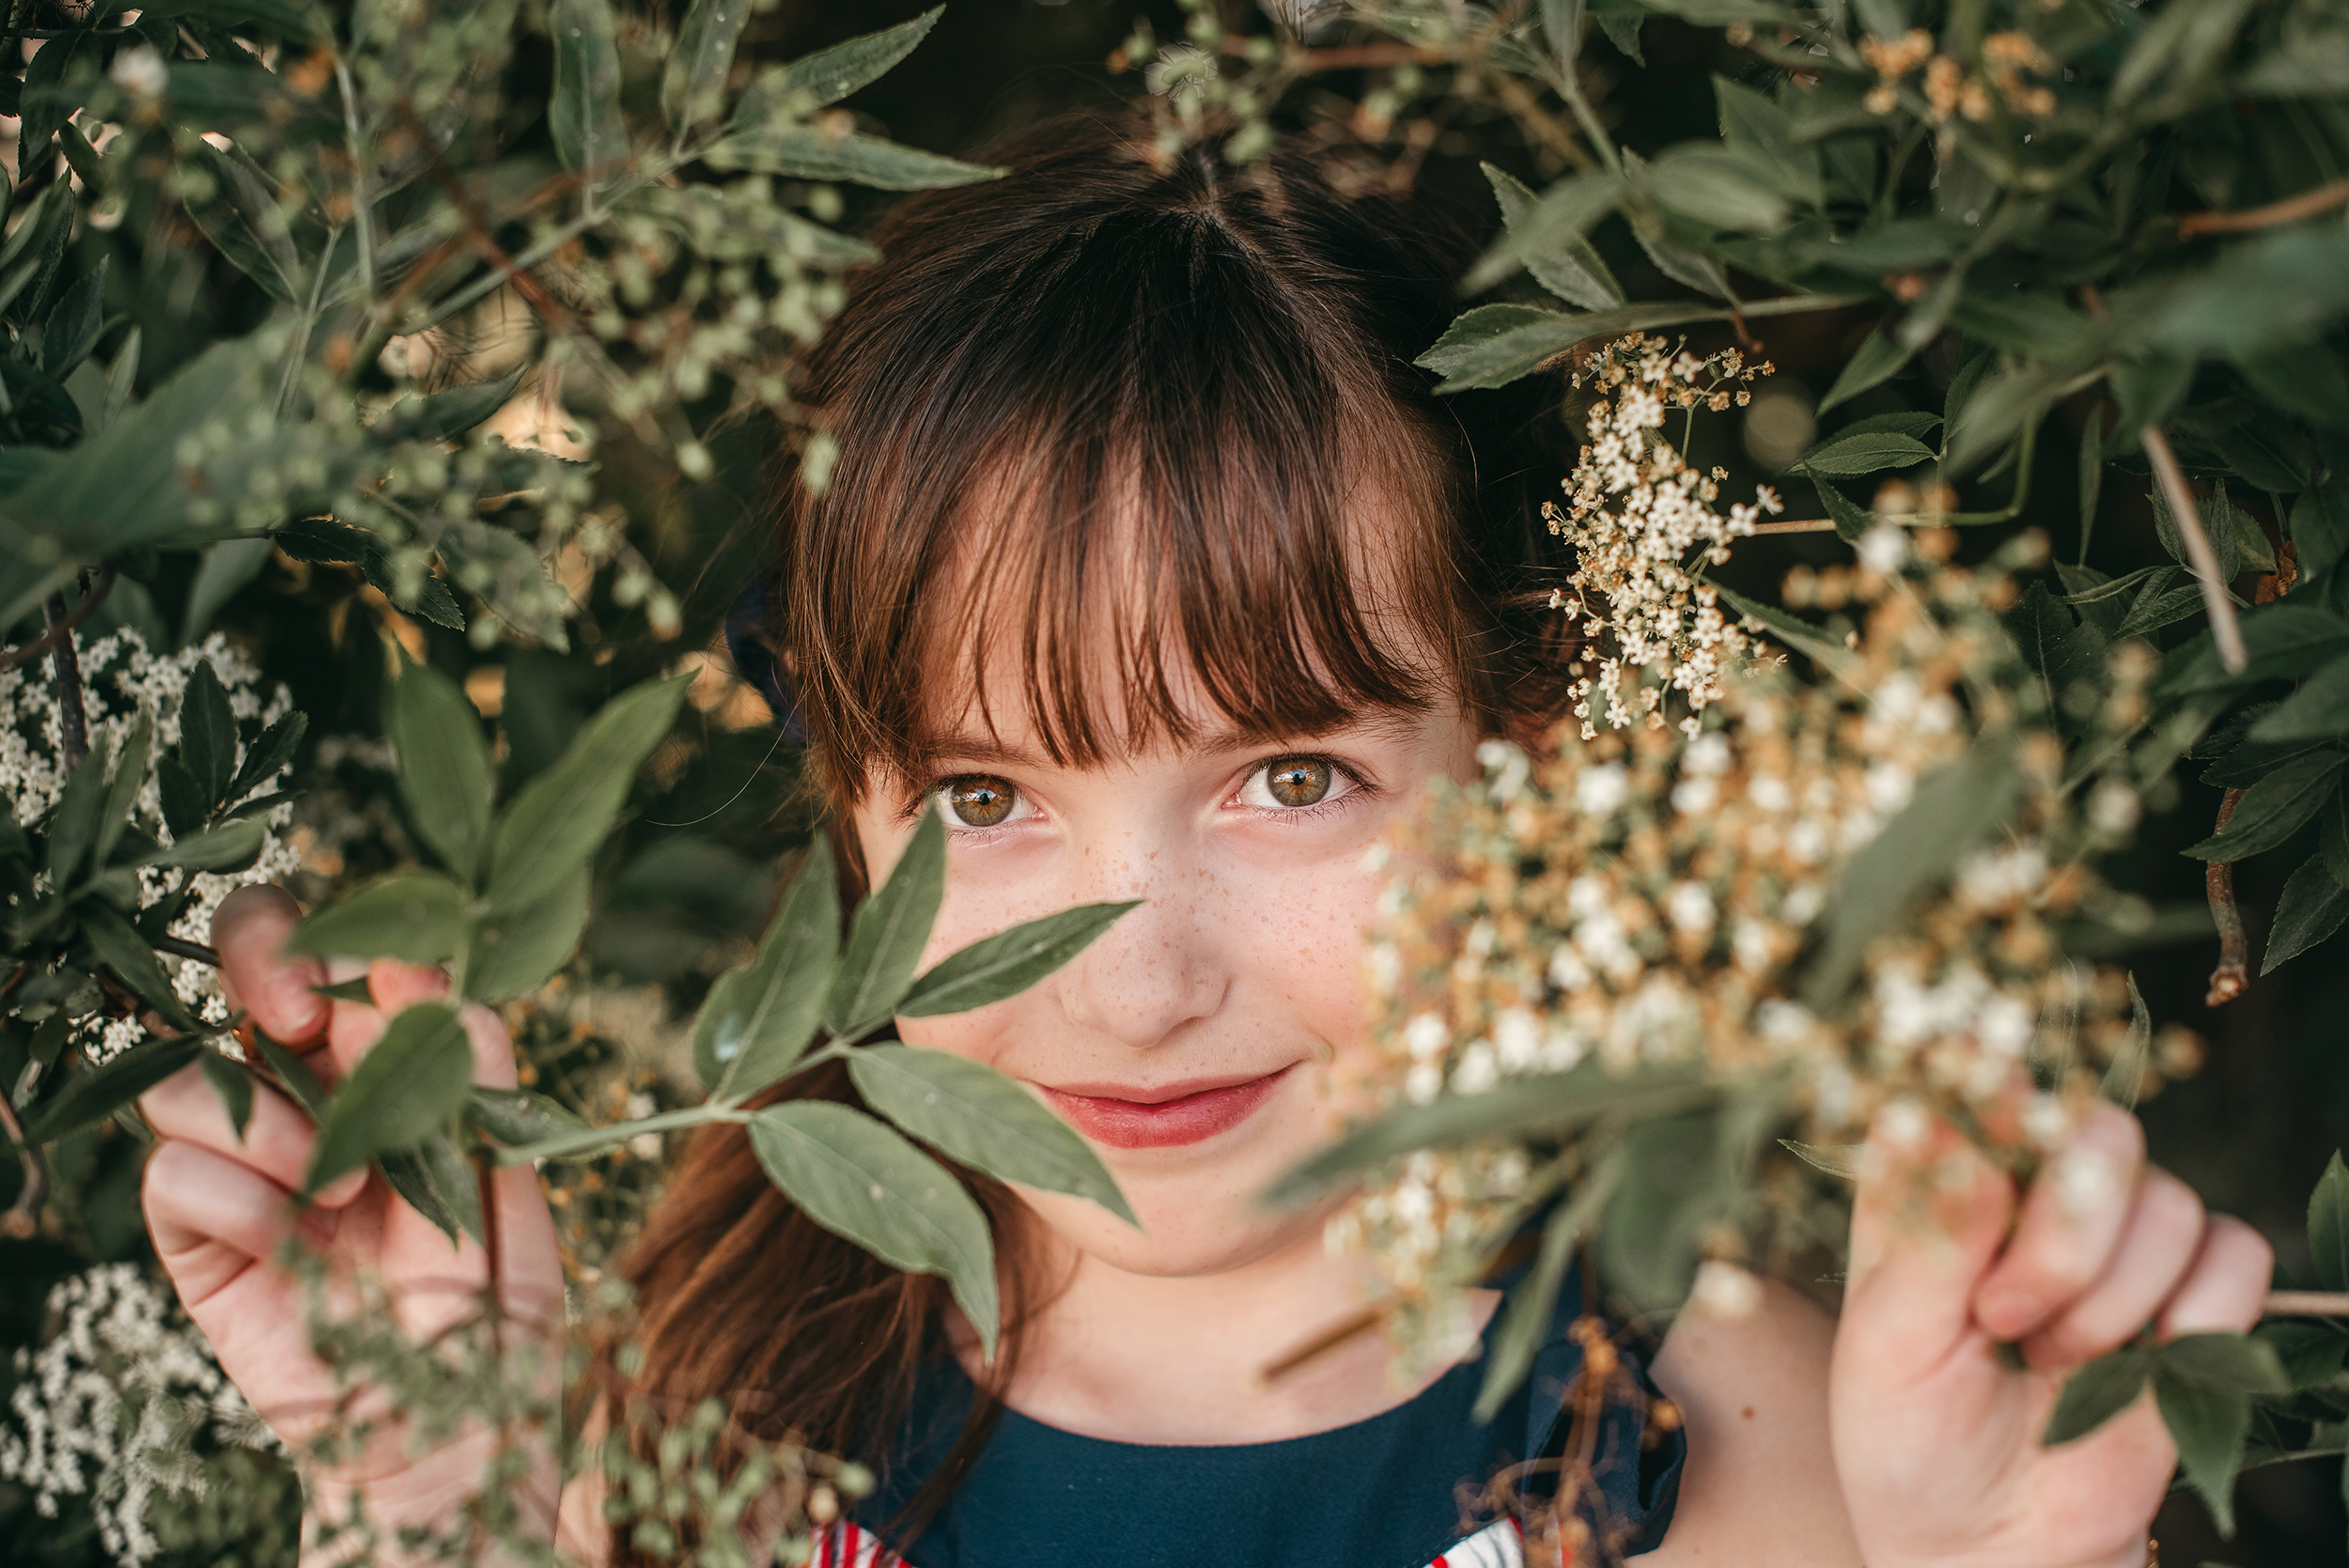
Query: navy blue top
point(1393, 1491)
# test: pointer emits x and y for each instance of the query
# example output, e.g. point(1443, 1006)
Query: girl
point(1151, 564)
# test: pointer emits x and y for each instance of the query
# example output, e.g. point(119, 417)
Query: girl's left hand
point(1936, 1442)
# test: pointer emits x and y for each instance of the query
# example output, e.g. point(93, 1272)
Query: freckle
point(1747, 1412)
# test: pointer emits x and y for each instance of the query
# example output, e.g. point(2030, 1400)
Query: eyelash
point(1357, 788)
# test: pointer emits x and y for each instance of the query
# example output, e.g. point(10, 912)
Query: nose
point(1156, 970)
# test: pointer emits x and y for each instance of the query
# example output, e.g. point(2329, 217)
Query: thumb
point(1930, 1215)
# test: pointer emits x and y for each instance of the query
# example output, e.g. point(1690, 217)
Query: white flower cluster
point(1641, 522)
point(112, 1408)
point(122, 679)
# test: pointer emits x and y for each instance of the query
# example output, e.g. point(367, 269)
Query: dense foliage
point(416, 369)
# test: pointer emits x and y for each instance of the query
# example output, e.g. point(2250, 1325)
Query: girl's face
point(1215, 1036)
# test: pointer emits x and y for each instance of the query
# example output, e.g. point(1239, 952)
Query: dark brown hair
point(1110, 396)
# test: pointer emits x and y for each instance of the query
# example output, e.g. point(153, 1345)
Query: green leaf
point(243, 222)
point(2329, 1225)
point(2332, 839)
point(810, 152)
point(1764, 133)
point(89, 1098)
point(757, 1020)
point(1525, 1322)
point(886, 939)
point(1952, 809)
point(2091, 473)
point(122, 789)
point(2313, 907)
point(1567, 266)
point(57, 81)
point(2238, 1361)
point(121, 949)
point(72, 827)
point(2124, 1077)
point(1792, 630)
point(436, 1181)
point(1839, 1160)
point(1878, 358)
point(1623, 30)
point(563, 816)
point(2320, 524)
point(417, 917)
point(446, 414)
point(2096, 1392)
point(583, 109)
point(268, 755)
point(694, 84)
point(2196, 35)
point(444, 773)
point(207, 732)
point(227, 567)
point(294, 1074)
point(2272, 810)
point(409, 1085)
point(829, 75)
point(2305, 379)
point(1561, 28)
point(71, 330)
point(522, 1115)
point(234, 1086)
point(1008, 962)
point(1844, 457)
point(2319, 710)
point(1548, 225)
point(294, 21)
point(1720, 186)
point(231, 843)
point(513, 949)
point(982, 1119)
point(861, 1181)
point(2284, 641)
point(2208, 1424)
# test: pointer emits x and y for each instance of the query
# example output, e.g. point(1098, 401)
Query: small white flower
point(1516, 1040)
point(1425, 1036)
point(140, 72)
point(1477, 1073)
point(1725, 1291)
point(1884, 548)
point(1598, 791)
point(1901, 1123)
point(2113, 808)
point(1708, 753)
point(1690, 907)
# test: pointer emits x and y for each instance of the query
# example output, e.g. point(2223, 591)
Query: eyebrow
point(981, 750)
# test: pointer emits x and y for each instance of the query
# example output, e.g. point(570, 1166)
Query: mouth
point(1165, 1117)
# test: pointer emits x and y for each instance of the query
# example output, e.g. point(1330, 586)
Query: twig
point(73, 723)
point(22, 1220)
point(180, 948)
point(25, 653)
point(2224, 629)
point(2227, 982)
point(1330, 1339)
point(2305, 1303)
point(2290, 209)
point(477, 223)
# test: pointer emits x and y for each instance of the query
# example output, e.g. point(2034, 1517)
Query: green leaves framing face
point(859, 1180)
point(890, 931)
point(409, 1086)
point(758, 1019)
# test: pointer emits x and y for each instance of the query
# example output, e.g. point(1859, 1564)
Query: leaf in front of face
point(234, 1086)
point(2313, 906)
point(2272, 810)
point(90, 1097)
point(417, 917)
point(207, 732)
point(562, 817)
point(860, 1180)
point(2208, 1424)
point(2096, 1392)
point(511, 951)
point(583, 109)
point(984, 1120)
point(1008, 962)
point(406, 1088)
point(522, 1115)
point(694, 84)
point(121, 949)
point(886, 939)
point(122, 790)
point(758, 1019)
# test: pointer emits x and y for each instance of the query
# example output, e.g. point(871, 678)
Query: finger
point(213, 1217)
point(249, 931)
point(2225, 1288)
point(492, 1048)
point(2072, 1219)
point(2157, 1248)
point(392, 985)
point(277, 1137)
point(1926, 1222)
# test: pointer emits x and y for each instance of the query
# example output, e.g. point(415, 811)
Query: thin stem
point(2305, 1303)
point(180, 948)
point(72, 722)
point(2291, 209)
point(2224, 629)
point(362, 198)
point(299, 349)
point(564, 1146)
point(25, 653)
point(2234, 974)
point(24, 1217)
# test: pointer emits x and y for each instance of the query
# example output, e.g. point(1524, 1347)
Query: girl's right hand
point(218, 1207)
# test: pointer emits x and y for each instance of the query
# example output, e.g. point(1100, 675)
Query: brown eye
point(1298, 781)
point(981, 800)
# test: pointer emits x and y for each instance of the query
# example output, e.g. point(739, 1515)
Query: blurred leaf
point(1759, 127)
point(2284, 640)
point(1719, 13)
point(2096, 1392)
point(408, 1086)
point(1561, 28)
point(562, 817)
point(354, 989)
point(583, 109)
point(1567, 267)
point(294, 21)
point(2329, 1226)
point(446, 414)
point(1842, 1161)
point(234, 1086)
point(1952, 810)
point(57, 81)
point(2149, 388)
point(2320, 524)
point(227, 567)
point(810, 152)
point(522, 1115)
point(91, 1097)
point(861, 1181)
point(2091, 473)
point(2313, 907)
point(2272, 810)
point(1792, 631)
point(243, 221)
point(1679, 263)
point(829, 75)
point(1720, 186)
point(1008, 962)
point(1622, 28)
point(2281, 288)
point(444, 775)
point(984, 1120)
point(514, 949)
point(71, 328)
point(2301, 378)
point(1848, 456)
point(2333, 836)
point(208, 732)
point(2310, 1353)
point(2196, 35)
point(887, 937)
point(417, 917)
point(294, 1074)
point(1876, 361)
point(694, 84)
point(1524, 1323)
point(757, 1020)
point(437, 1182)
point(2319, 708)
point(121, 949)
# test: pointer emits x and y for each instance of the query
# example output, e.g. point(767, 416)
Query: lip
point(1167, 1116)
